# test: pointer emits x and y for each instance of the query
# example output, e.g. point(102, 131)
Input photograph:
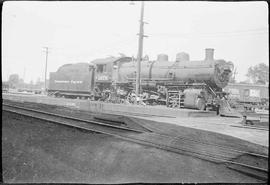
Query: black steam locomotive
point(178, 83)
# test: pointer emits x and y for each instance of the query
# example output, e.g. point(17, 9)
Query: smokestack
point(209, 54)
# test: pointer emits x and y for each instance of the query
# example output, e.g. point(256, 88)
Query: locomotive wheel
point(200, 103)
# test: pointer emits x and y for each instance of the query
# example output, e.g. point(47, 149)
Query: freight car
point(248, 95)
point(179, 83)
point(5, 87)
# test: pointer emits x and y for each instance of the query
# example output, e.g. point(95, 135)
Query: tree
point(21, 81)
point(258, 73)
point(13, 79)
point(232, 79)
point(38, 81)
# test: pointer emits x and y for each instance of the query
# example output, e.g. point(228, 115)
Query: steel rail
point(205, 143)
point(73, 118)
point(129, 129)
point(104, 124)
point(140, 141)
point(251, 127)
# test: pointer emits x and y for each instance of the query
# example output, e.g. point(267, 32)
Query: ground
point(38, 151)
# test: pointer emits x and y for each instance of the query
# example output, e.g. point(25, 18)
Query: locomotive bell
point(180, 57)
point(209, 54)
point(162, 58)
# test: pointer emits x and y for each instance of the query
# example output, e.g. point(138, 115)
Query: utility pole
point(140, 51)
point(47, 51)
point(24, 74)
point(234, 74)
point(24, 77)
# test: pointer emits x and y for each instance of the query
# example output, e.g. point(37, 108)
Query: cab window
point(246, 92)
point(101, 68)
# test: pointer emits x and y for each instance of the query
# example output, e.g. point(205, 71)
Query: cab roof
point(111, 60)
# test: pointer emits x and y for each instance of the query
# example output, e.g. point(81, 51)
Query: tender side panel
point(73, 81)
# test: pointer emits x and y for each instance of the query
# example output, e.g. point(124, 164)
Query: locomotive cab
point(103, 72)
point(106, 71)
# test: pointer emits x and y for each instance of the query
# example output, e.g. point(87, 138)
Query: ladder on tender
point(175, 99)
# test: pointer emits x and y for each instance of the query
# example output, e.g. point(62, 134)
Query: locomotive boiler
point(193, 84)
point(215, 73)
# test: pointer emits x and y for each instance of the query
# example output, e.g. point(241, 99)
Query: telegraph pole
point(24, 77)
point(140, 51)
point(234, 74)
point(46, 51)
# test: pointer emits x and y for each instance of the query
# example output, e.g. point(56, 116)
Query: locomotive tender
point(179, 83)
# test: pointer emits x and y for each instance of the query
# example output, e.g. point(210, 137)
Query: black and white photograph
point(119, 92)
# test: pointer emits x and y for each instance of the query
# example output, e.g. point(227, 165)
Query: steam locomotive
point(179, 83)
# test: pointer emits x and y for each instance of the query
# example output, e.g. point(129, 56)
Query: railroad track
point(179, 145)
point(178, 138)
point(67, 120)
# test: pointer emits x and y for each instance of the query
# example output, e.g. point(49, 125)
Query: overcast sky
point(83, 31)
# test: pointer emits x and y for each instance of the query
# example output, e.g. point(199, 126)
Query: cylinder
point(162, 58)
point(193, 100)
point(182, 56)
point(209, 54)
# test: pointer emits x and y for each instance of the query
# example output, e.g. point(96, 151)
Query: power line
point(123, 41)
point(216, 34)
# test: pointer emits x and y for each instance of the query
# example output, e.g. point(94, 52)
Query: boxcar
point(248, 94)
point(5, 87)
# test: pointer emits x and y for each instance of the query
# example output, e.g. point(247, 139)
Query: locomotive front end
point(222, 73)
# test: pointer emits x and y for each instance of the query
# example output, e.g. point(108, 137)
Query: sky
point(86, 30)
